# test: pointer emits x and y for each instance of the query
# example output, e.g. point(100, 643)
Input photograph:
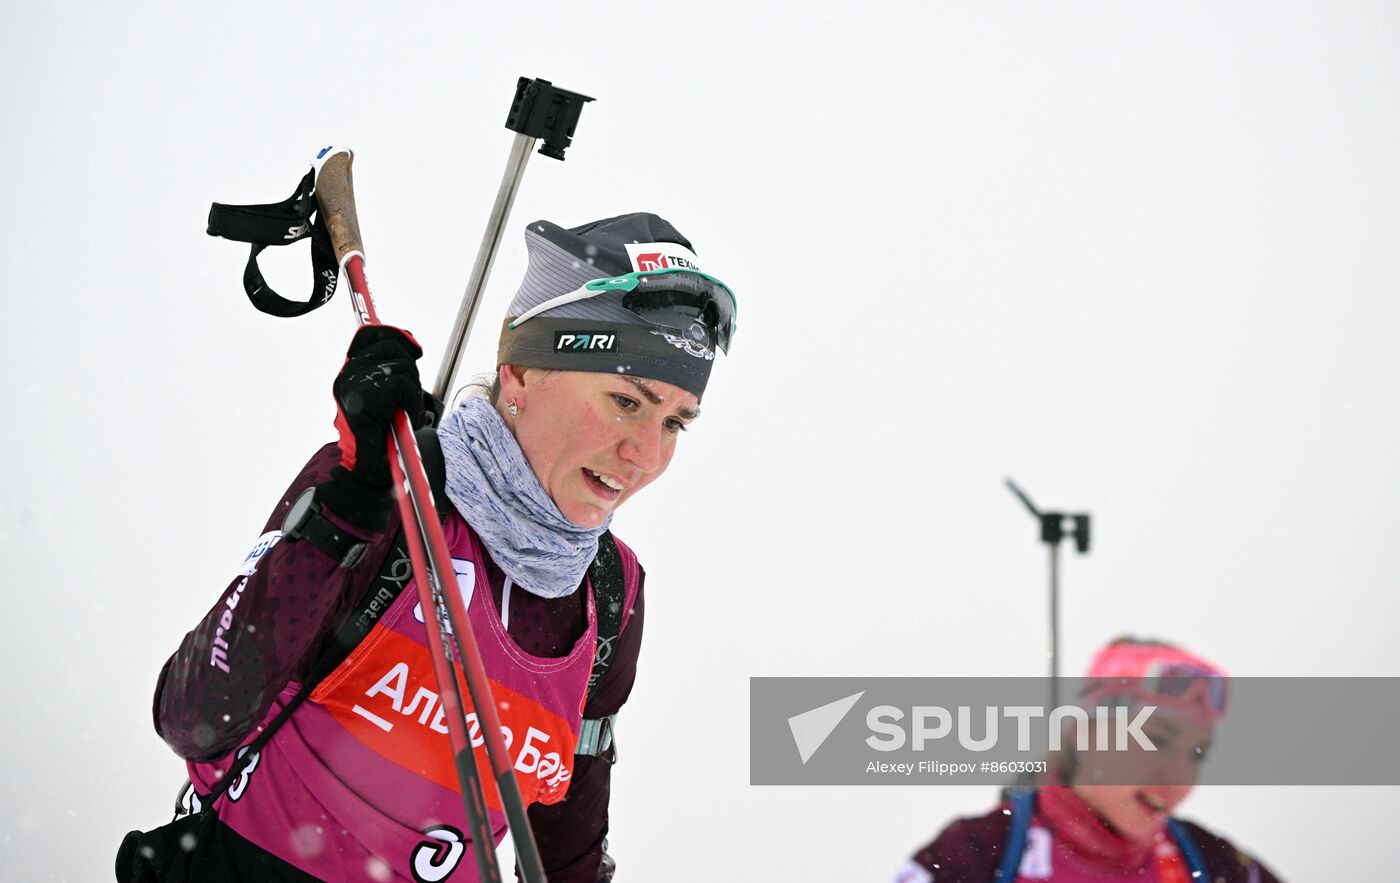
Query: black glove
point(379, 378)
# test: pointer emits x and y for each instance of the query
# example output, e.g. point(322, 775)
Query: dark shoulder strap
point(430, 448)
point(610, 598)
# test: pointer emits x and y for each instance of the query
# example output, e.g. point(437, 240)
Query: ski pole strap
point(247, 755)
point(280, 223)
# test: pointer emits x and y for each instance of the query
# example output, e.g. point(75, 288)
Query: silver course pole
point(539, 110)
point(481, 270)
point(1052, 531)
point(1055, 626)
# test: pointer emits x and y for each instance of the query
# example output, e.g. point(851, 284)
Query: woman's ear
point(513, 384)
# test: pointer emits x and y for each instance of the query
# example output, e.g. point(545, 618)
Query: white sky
point(1141, 258)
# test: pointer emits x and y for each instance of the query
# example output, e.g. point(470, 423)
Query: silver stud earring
point(513, 408)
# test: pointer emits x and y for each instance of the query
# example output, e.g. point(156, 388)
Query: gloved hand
point(378, 379)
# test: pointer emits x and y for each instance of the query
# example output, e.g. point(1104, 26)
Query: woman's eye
point(675, 425)
point(625, 403)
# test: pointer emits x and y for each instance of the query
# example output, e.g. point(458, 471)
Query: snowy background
point(1141, 258)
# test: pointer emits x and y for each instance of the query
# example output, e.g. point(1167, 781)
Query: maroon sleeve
point(1227, 863)
point(572, 833)
point(266, 629)
point(967, 851)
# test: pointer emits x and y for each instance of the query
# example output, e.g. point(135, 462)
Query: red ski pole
point(433, 564)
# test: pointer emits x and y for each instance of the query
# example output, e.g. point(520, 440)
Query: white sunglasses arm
point(577, 294)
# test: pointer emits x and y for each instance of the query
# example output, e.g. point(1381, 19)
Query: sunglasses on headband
point(672, 298)
point(1187, 681)
point(1173, 683)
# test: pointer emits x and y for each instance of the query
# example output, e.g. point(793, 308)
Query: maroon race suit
point(970, 850)
point(231, 667)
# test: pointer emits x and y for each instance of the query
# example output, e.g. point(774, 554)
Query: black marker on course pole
point(1052, 531)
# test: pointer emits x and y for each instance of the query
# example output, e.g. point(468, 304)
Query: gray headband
point(638, 350)
point(597, 334)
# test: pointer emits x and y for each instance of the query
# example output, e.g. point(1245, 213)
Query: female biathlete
point(603, 358)
point(1105, 816)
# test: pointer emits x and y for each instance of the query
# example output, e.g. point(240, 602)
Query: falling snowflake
point(309, 840)
point(378, 869)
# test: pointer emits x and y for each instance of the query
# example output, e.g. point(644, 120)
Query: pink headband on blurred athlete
point(1154, 675)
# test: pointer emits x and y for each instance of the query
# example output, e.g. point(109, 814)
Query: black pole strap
point(280, 223)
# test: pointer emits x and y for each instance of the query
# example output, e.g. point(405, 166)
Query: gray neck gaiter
point(495, 490)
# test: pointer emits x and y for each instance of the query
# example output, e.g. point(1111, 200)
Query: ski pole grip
point(335, 193)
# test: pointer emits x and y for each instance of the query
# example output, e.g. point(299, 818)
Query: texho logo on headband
point(585, 342)
point(653, 256)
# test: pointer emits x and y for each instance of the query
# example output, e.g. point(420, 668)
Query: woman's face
point(1138, 812)
point(594, 439)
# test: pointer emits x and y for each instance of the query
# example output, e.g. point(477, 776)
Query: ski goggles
point(1190, 683)
point(1186, 686)
point(672, 298)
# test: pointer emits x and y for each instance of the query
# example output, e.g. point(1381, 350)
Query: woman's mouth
point(604, 486)
point(1155, 806)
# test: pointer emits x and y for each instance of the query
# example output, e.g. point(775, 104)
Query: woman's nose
point(642, 448)
point(1173, 768)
